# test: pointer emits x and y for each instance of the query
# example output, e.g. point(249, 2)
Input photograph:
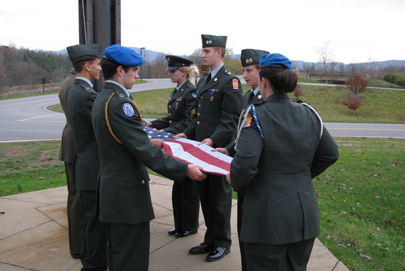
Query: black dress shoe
point(217, 254)
point(201, 249)
point(172, 231)
point(185, 233)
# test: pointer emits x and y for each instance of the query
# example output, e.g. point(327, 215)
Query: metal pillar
point(100, 22)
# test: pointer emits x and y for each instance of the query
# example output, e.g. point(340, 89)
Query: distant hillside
point(151, 56)
point(380, 64)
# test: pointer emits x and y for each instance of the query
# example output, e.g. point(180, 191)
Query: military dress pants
point(128, 246)
point(241, 197)
point(93, 231)
point(216, 203)
point(186, 204)
point(73, 211)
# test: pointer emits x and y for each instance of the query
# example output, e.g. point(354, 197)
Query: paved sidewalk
point(34, 236)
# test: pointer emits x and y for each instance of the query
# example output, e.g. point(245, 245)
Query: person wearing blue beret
point(80, 100)
point(125, 153)
point(281, 147)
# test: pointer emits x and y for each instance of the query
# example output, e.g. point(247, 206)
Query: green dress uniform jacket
point(185, 200)
point(67, 147)
point(246, 101)
point(125, 152)
point(218, 107)
point(280, 204)
point(87, 163)
point(180, 108)
point(87, 167)
point(67, 154)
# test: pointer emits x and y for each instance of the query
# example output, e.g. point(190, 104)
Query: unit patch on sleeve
point(235, 83)
point(248, 121)
point(128, 110)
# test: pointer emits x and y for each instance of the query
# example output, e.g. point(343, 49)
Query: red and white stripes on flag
point(189, 151)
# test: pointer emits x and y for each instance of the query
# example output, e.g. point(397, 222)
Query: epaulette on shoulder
point(85, 87)
point(227, 72)
point(121, 96)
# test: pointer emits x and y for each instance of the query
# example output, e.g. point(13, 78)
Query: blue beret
point(275, 60)
point(123, 55)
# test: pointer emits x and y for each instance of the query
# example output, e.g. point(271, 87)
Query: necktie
point(251, 95)
point(208, 78)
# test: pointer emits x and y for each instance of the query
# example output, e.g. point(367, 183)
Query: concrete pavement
point(34, 236)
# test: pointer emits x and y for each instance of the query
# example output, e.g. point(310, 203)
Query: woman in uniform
point(280, 147)
point(180, 112)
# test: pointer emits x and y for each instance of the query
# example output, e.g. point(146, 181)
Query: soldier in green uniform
point(67, 155)
point(219, 95)
point(125, 152)
point(86, 61)
point(281, 147)
point(250, 60)
point(181, 107)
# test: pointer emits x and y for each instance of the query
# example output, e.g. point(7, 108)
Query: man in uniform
point(250, 60)
point(125, 152)
point(86, 61)
point(67, 155)
point(219, 95)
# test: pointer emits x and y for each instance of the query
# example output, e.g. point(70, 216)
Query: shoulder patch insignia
point(128, 110)
point(235, 83)
point(248, 121)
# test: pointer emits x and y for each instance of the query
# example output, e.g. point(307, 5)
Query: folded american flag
point(189, 151)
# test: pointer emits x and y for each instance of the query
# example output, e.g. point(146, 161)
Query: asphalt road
point(27, 119)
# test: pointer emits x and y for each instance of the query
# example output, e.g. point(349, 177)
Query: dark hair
point(110, 68)
point(78, 64)
point(281, 79)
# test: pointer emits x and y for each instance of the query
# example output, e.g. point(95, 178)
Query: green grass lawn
point(361, 197)
point(379, 106)
point(362, 204)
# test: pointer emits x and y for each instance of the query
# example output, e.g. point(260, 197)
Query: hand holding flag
point(192, 152)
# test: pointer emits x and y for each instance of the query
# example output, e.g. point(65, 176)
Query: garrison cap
point(275, 60)
point(80, 50)
point(213, 41)
point(250, 57)
point(123, 55)
point(176, 62)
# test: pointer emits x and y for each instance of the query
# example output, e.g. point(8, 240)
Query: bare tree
point(325, 55)
point(196, 57)
point(371, 65)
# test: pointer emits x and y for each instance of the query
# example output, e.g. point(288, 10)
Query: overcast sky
point(356, 30)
